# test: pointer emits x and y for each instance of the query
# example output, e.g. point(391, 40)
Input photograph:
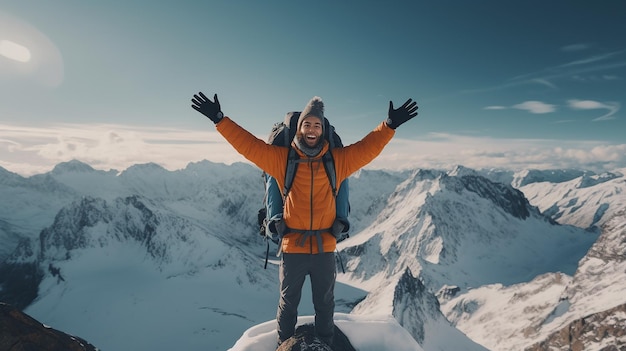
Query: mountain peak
point(144, 168)
point(461, 171)
point(410, 314)
point(504, 196)
point(73, 166)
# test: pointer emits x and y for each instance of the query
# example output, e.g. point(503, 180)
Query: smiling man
point(311, 128)
point(309, 214)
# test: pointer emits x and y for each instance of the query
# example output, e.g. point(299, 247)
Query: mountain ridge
point(455, 231)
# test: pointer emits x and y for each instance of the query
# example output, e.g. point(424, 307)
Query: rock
point(305, 340)
point(19, 331)
point(600, 331)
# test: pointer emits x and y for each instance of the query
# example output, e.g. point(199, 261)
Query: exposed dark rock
point(20, 332)
point(413, 304)
point(611, 245)
point(505, 196)
point(19, 283)
point(305, 340)
point(448, 292)
point(603, 328)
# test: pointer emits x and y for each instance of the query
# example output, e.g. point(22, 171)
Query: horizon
point(515, 86)
point(380, 165)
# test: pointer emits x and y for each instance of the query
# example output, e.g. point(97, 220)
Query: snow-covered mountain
point(592, 308)
point(176, 255)
point(580, 198)
point(554, 311)
point(456, 229)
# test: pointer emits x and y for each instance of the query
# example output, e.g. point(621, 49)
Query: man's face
point(311, 130)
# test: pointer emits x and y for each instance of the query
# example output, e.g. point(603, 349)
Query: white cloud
point(612, 107)
point(536, 107)
point(584, 104)
point(495, 107)
point(443, 151)
point(575, 47)
point(29, 151)
point(592, 59)
point(610, 77)
point(543, 81)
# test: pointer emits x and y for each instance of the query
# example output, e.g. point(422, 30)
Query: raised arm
point(367, 149)
point(269, 158)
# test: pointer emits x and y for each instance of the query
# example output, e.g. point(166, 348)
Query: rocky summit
point(305, 340)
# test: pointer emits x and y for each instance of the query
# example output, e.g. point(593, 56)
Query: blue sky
point(511, 84)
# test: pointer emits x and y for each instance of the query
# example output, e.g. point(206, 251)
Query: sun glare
point(27, 54)
point(14, 51)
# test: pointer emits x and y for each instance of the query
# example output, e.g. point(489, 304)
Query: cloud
point(593, 59)
point(581, 70)
point(595, 78)
point(612, 107)
point(28, 151)
point(31, 150)
point(610, 77)
point(536, 107)
point(543, 81)
point(575, 47)
point(585, 104)
point(444, 151)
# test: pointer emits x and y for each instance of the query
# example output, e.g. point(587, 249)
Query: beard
point(310, 151)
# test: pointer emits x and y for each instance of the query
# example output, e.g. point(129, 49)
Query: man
point(309, 215)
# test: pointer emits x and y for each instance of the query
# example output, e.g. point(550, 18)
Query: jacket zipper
point(311, 205)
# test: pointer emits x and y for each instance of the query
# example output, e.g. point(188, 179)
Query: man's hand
point(207, 107)
point(404, 113)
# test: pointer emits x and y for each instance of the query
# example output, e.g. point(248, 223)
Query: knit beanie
point(315, 107)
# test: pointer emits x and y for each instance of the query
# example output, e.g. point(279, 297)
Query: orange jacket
point(310, 204)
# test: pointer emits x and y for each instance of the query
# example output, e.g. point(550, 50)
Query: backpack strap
point(292, 167)
point(330, 133)
point(290, 172)
point(267, 253)
point(327, 158)
point(329, 167)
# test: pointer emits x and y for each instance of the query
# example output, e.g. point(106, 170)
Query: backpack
point(271, 226)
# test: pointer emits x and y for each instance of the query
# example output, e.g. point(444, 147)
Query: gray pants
point(322, 271)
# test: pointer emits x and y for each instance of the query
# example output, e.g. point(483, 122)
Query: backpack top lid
point(283, 132)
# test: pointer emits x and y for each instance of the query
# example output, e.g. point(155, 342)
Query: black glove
point(402, 114)
point(208, 108)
